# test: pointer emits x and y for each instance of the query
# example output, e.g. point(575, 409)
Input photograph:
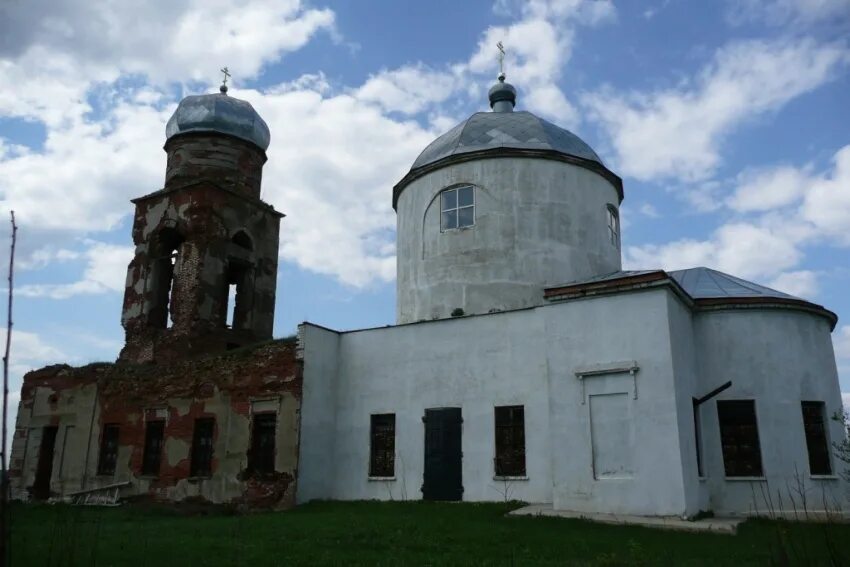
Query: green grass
point(390, 533)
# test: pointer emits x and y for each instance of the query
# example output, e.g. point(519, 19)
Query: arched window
point(457, 208)
point(237, 279)
point(165, 254)
point(242, 240)
point(613, 225)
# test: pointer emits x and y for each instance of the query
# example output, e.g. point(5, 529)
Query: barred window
point(261, 458)
point(510, 441)
point(457, 208)
point(382, 445)
point(739, 437)
point(108, 449)
point(202, 447)
point(814, 423)
point(152, 454)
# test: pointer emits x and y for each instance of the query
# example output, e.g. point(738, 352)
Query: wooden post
point(5, 558)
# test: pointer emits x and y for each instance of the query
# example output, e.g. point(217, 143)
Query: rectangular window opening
point(817, 441)
point(202, 447)
point(510, 441)
point(152, 455)
point(457, 208)
point(382, 445)
point(108, 449)
point(739, 438)
point(261, 458)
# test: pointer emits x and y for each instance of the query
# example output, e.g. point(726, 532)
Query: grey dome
point(219, 113)
point(515, 130)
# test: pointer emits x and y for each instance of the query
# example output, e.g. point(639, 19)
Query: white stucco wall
point(316, 445)
point(525, 357)
point(639, 431)
point(778, 357)
point(537, 223)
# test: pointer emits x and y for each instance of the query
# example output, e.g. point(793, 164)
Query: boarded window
point(382, 445)
point(510, 441)
point(153, 447)
point(108, 449)
point(612, 436)
point(816, 439)
point(202, 447)
point(739, 437)
point(261, 458)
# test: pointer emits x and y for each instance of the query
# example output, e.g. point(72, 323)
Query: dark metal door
point(41, 487)
point(443, 476)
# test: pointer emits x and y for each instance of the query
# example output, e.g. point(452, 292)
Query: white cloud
point(29, 351)
point(779, 12)
point(739, 248)
point(335, 153)
point(677, 132)
point(768, 189)
point(845, 397)
point(106, 271)
point(408, 89)
point(802, 283)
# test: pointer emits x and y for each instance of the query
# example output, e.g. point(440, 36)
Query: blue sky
point(727, 121)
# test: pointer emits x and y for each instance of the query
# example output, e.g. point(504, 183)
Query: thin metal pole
point(4, 481)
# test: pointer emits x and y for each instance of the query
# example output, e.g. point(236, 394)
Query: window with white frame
point(457, 208)
point(613, 225)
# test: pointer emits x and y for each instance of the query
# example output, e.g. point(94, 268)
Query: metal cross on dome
point(501, 59)
point(226, 72)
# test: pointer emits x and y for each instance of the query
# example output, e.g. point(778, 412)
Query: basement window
point(261, 457)
point(510, 441)
point(814, 423)
point(202, 447)
point(457, 208)
point(108, 449)
point(613, 225)
point(382, 445)
point(739, 438)
point(152, 455)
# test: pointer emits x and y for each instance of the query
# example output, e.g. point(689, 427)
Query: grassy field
point(392, 533)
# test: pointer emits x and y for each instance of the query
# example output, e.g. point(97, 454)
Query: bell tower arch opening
point(165, 263)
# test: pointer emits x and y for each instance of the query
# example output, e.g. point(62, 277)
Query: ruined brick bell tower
point(205, 268)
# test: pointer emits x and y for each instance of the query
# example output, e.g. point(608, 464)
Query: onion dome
point(219, 113)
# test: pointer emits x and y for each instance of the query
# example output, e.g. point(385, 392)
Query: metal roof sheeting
point(219, 113)
point(704, 283)
point(519, 130)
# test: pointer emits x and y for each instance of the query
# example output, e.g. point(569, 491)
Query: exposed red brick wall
point(127, 391)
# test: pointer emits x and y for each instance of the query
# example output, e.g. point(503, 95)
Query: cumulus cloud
point(793, 207)
point(676, 132)
point(802, 283)
point(105, 271)
point(336, 150)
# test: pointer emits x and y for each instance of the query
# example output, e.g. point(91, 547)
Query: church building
point(524, 363)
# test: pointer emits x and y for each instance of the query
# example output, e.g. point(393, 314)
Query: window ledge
point(745, 479)
point(509, 478)
point(824, 477)
point(148, 476)
point(381, 478)
point(702, 478)
point(198, 478)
